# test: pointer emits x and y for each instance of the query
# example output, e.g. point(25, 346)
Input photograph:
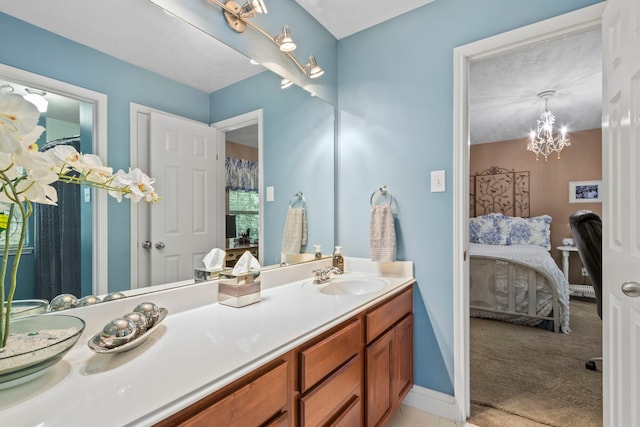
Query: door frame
point(573, 22)
point(237, 122)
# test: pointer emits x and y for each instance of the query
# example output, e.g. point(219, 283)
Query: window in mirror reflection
point(245, 205)
point(241, 186)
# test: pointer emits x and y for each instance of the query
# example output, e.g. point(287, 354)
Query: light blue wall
point(298, 139)
point(395, 99)
point(47, 54)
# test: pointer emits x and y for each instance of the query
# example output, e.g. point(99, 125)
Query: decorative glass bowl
point(34, 344)
point(28, 307)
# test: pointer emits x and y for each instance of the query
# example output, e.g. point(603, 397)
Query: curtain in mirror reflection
point(57, 238)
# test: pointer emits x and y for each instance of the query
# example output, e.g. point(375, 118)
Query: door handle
point(631, 289)
point(160, 245)
point(146, 244)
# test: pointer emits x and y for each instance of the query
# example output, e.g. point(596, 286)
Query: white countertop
point(194, 352)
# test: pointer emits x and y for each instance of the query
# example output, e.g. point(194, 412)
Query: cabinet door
point(403, 355)
point(379, 368)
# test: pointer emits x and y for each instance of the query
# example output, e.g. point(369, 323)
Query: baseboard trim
point(434, 402)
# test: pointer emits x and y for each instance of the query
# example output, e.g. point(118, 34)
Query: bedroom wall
point(240, 151)
point(549, 185)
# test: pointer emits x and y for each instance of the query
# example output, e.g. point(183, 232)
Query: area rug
point(523, 376)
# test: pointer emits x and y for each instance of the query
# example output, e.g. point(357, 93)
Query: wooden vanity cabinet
point(389, 357)
point(355, 374)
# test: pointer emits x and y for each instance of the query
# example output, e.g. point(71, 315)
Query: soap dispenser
point(318, 251)
point(338, 260)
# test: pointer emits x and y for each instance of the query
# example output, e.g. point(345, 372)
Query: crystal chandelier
point(543, 141)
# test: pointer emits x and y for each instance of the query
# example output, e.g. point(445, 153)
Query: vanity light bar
point(238, 22)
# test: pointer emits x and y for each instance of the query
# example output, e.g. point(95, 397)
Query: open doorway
point(562, 26)
point(242, 195)
point(241, 137)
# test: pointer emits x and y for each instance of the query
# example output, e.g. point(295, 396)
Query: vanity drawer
point(325, 356)
point(385, 316)
point(261, 399)
point(335, 398)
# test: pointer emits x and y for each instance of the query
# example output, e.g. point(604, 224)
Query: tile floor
point(408, 416)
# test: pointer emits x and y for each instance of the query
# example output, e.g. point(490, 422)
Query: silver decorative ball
point(63, 302)
point(140, 320)
point(117, 332)
point(113, 296)
point(88, 300)
point(150, 310)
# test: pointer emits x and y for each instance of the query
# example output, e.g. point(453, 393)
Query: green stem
point(4, 329)
point(25, 214)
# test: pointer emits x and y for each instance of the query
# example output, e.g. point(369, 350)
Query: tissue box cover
point(239, 291)
point(205, 275)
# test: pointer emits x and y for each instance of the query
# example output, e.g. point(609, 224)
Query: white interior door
point(184, 225)
point(621, 230)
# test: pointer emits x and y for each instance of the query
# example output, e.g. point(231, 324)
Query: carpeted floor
point(523, 376)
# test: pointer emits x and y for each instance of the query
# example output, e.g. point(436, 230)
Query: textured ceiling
point(503, 102)
point(139, 32)
point(503, 90)
point(344, 18)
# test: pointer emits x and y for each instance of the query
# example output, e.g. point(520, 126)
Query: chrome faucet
point(322, 275)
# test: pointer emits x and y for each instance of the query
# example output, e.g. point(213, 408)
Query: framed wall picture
point(585, 192)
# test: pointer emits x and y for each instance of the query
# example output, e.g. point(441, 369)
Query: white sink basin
point(354, 285)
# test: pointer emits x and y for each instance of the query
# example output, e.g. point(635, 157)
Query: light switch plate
point(437, 181)
point(270, 196)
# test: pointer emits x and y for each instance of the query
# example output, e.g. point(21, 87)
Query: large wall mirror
point(297, 151)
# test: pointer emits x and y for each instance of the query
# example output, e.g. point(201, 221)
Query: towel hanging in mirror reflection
point(298, 201)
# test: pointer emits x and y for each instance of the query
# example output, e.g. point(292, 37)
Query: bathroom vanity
point(305, 354)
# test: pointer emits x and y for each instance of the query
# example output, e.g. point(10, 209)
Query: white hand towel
point(295, 231)
point(382, 234)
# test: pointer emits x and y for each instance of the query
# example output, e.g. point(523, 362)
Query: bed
point(512, 275)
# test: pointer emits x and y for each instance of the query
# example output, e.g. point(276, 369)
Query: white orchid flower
point(28, 155)
point(7, 167)
point(137, 184)
point(36, 187)
point(65, 158)
point(94, 170)
point(17, 118)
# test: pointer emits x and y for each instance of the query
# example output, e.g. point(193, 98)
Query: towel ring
point(297, 201)
point(382, 196)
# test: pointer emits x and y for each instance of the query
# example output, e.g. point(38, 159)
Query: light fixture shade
point(314, 69)
point(36, 97)
point(285, 83)
point(252, 7)
point(543, 141)
point(285, 41)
